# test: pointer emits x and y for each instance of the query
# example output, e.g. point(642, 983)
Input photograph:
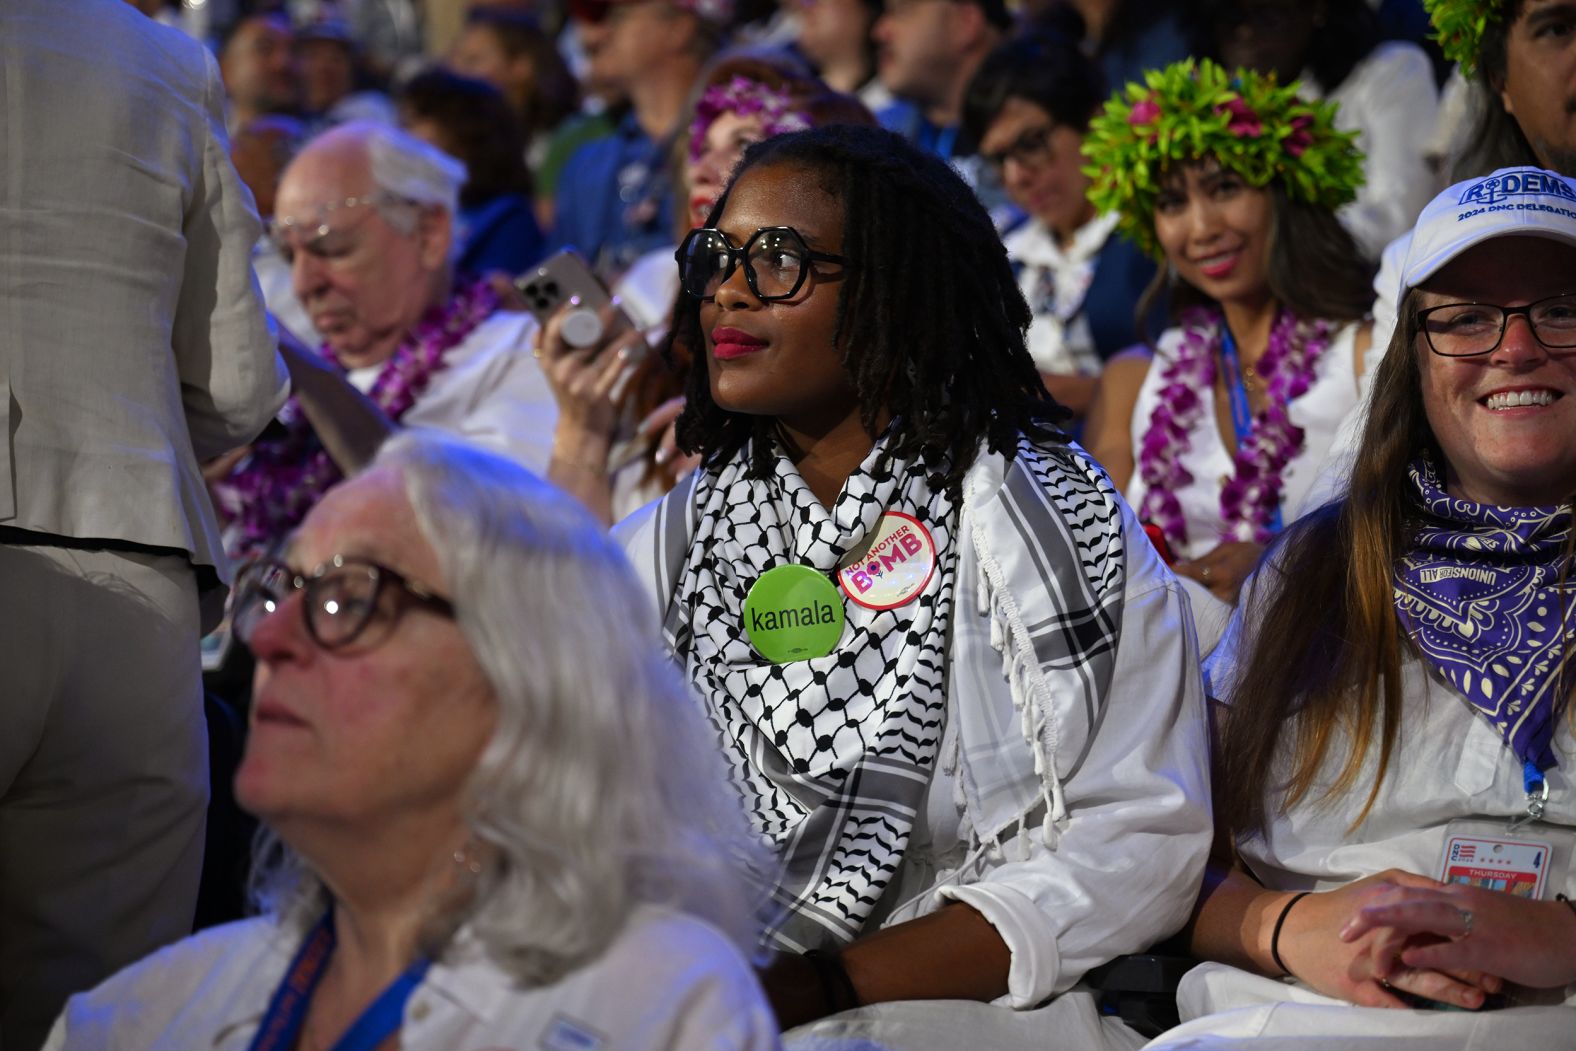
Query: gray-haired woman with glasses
point(1396, 757)
point(492, 812)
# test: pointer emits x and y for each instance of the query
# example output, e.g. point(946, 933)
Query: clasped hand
point(1480, 937)
point(1355, 944)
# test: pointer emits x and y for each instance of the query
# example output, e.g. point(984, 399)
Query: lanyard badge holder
point(1524, 856)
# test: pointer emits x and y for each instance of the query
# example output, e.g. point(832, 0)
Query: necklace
point(284, 477)
point(1250, 496)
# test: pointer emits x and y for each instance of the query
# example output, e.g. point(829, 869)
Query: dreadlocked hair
point(930, 321)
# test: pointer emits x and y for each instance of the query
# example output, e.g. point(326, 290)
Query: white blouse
point(1319, 412)
point(1450, 764)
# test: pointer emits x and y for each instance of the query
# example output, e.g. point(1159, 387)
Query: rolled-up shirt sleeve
point(1128, 862)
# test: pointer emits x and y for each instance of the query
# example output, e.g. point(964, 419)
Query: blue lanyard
point(1241, 414)
point(1532, 777)
point(938, 140)
point(281, 1025)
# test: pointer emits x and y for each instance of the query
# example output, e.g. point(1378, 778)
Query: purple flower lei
point(284, 477)
point(1251, 495)
point(747, 98)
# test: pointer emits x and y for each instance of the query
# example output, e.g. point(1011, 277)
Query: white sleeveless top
point(1319, 412)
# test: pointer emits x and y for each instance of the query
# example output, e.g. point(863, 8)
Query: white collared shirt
point(1055, 281)
point(669, 981)
point(491, 390)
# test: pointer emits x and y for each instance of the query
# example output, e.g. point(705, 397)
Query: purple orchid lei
point(284, 477)
point(1252, 494)
point(747, 98)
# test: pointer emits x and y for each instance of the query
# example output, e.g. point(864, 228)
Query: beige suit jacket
point(132, 338)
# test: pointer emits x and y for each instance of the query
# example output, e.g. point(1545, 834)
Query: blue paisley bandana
point(1480, 594)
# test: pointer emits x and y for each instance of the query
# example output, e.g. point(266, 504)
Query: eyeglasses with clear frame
point(1030, 149)
point(291, 234)
point(343, 596)
point(1465, 330)
point(776, 262)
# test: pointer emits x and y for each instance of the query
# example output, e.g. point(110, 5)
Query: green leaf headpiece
point(1245, 121)
point(1459, 26)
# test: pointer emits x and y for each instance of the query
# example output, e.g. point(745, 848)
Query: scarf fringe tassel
point(1030, 695)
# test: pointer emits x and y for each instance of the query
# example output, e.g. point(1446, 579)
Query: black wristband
point(1275, 937)
point(836, 988)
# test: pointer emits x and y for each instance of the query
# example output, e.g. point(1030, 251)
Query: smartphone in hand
point(561, 278)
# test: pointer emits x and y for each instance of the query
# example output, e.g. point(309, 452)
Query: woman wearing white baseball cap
point(1396, 758)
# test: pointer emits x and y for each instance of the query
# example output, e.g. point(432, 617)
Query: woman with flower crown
point(1233, 181)
point(1393, 771)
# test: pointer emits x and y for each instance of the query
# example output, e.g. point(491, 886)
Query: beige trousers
point(103, 771)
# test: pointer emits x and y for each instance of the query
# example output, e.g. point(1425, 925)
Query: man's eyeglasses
point(1030, 149)
point(1463, 330)
point(776, 262)
point(343, 597)
point(289, 233)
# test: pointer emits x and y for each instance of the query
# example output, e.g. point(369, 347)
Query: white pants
point(1232, 1010)
point(103, 771)
point(1070, 1022)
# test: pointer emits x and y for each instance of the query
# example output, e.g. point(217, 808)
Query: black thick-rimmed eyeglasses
point(342, 597)
point(776, 262)
point(1030, 149)
point(1465, 330)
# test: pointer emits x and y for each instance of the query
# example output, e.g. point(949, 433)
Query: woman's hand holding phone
point(589, 382)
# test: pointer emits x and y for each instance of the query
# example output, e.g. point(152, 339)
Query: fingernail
point(574, 301)
point(623, 353)
point(664, 454)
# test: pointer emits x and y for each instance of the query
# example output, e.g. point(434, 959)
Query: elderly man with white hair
point(365, 217)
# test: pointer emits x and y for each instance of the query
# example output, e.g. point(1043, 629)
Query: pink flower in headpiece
point(1244, 123)
point(1146, 112)
point(1300, 139)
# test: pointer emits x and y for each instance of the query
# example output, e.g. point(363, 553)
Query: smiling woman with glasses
point(1465, 330)
point(1394, 762)
point(887, 510)
point(492, 813)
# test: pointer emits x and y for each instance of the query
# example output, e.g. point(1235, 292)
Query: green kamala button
point(793, 613)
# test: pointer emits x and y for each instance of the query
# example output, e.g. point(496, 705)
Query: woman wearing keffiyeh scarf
point(1396, 765)
point(991, 779)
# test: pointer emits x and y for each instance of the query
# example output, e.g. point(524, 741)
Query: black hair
point(1129, 19)
point(482, 130)
point(228, 34)
point(930, 321)
point(1315, 268)
point(555, 95)
point(1349, 32)
point(1042, 67)
point(996, 14)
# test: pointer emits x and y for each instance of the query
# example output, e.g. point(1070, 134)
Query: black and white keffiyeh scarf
point(1042, 529)
point(832, 755)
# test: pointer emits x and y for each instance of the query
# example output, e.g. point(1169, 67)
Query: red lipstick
point(729, 343)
